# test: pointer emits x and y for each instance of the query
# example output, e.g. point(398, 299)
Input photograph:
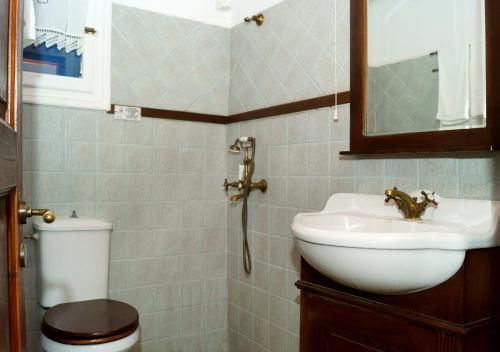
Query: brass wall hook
point(258, 18)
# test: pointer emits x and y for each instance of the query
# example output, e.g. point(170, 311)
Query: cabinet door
point(336, 343)
point(330, 325)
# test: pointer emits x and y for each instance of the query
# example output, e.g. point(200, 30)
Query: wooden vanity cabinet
point(461, 314)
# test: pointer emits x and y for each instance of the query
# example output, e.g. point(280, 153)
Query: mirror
point(426, 66)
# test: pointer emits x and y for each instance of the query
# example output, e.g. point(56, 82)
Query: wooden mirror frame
point(478, 139)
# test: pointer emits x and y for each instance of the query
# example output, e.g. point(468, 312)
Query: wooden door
point(12, 331)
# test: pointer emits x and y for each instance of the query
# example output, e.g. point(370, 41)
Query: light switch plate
point(129, 113)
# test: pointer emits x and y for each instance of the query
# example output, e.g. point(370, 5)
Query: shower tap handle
point(226, 185)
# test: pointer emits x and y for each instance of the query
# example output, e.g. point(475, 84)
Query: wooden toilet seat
point(90, 322)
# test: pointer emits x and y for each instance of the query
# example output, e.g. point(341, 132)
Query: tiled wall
point(299, 155)
point(158, 182)
point(291, 57)
point(169, 63)
point(416, 86)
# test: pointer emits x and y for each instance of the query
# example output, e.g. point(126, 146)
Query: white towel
point(477, 80)
point(462, 75)
point(29, 31)
point(454, 85)
point(462, 84)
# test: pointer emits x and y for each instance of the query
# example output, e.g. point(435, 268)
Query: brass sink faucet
point(409, 205)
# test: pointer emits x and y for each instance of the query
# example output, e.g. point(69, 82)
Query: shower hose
point(247, 259)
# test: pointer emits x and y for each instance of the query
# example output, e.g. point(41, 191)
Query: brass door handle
point(26, 212)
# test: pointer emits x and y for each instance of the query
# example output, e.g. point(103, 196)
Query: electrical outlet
point(129, 113)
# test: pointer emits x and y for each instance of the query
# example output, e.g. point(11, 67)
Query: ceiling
point(203, 10)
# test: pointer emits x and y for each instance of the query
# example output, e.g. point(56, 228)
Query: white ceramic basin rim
point(364, 221)
point(361, 242)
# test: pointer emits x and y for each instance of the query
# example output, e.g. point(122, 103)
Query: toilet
point(72, 289)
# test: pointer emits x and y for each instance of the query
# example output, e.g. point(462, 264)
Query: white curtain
point(60, 23)
point(29, 35)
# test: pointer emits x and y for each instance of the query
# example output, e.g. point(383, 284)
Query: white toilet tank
point(73, 260)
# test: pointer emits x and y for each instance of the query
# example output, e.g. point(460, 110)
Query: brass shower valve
point(262, 185)
point(245, 184)
point(238, 185)
point(250, 186)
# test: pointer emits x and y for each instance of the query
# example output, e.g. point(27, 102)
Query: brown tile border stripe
point(179, 115)
point(289, 108)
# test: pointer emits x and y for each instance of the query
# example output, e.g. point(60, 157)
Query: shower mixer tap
point(246, 185)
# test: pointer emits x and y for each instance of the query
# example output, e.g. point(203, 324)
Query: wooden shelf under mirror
point(472, 139)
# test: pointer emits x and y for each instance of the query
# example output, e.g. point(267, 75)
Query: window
point(54, 77)
point(51, 61)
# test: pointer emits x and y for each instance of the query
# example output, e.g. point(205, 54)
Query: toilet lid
point(90, 322)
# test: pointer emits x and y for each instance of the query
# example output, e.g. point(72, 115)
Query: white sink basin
point(361, 242)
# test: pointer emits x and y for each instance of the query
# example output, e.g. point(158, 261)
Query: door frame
point(10, 180)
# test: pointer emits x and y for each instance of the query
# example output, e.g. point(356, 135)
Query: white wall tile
point(81, 125)
point(81, 156)
point(139, 159)
point(47, 155)
point(110, 157)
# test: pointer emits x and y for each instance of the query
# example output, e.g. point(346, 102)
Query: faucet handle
point(430, 197)
point(226, 185)
point(389, 193)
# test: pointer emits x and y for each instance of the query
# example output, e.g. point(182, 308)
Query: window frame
point(93, 89)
